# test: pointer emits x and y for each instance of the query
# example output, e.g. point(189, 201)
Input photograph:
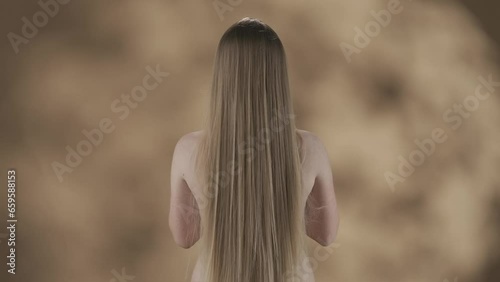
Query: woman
point(251, 183)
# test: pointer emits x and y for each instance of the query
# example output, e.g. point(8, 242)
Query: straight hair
point(249, 163)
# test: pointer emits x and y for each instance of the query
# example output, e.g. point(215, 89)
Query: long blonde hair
point(249, 162)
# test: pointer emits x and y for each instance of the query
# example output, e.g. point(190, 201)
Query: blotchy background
point(110, 214)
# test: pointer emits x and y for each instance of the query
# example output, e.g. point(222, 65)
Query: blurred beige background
point(110, 214)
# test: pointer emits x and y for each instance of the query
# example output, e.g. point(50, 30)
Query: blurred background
point(108, 215)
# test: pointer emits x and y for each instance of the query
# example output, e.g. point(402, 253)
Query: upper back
point(311, 150)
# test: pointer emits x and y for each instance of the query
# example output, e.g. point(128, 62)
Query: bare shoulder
point(310, 142)
point(315, 155)
point(183, 152)
point(189, 140)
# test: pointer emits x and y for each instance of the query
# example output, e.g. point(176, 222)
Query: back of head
point(249, 165)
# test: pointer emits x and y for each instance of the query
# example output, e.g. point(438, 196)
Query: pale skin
point(317, 182)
